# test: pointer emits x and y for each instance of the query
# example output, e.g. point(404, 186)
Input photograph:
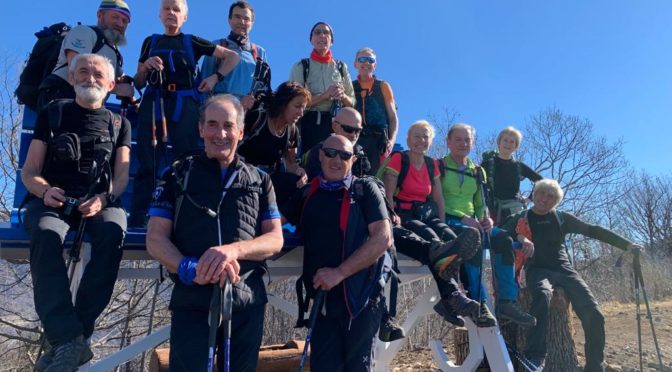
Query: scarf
point(321, 59)
point(335, 185)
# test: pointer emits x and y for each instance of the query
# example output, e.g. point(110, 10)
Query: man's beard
point(113, 36)
point(90, 92)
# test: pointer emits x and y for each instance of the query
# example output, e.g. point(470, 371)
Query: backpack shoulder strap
point(101, 40)
point(55, 114)
point(305, 63)
point(189, 50)
point(403, 171)
point(430, 168)
point(255, 51)
point(339, 65)
point(560, 220)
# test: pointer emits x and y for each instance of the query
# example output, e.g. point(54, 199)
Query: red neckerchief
point(322, 59)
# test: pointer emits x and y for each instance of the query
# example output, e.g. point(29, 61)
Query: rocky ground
point(621, 352)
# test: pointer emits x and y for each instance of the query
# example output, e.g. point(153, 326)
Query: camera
point(70, 204)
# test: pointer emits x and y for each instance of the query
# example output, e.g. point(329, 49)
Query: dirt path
point(621, 351)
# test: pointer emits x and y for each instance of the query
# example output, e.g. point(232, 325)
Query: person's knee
point(503, 244)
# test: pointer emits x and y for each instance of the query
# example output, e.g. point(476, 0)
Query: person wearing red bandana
point(328, 81)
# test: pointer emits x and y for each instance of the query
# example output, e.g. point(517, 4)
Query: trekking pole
point(164, 125)
point(486, 238)
point(639, 284)
point(226, 310)
point(529, 366)
point(214, 320)
point(317, 305)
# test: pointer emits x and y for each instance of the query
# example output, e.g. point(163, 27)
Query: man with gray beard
point(103, 39)
point(76, 168)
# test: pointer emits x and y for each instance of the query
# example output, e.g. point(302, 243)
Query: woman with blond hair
point(504, 176)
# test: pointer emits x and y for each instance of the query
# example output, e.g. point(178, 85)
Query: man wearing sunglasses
point(346, 123)
point(375, 102)
point(339, 257)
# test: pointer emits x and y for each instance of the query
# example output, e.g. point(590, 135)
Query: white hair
point(108, 64)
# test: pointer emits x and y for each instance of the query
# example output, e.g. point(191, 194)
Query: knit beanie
point(118, 5)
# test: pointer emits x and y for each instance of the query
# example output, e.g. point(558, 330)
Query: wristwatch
point(110, 198)
point(220, 77)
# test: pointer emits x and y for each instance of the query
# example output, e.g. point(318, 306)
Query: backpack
point(55, 113)
point(405, 162)
point(305, 62)
point(361, 285)
point(42, 61)
point(188, 52)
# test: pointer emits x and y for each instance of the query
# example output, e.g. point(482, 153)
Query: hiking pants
point(417, 248)
point(189, 340)
point(541, 281)
point(339, 344)
point(314, 127)
point(503, 258)
point(183, 136)
point(374, 145)
point(47, 228)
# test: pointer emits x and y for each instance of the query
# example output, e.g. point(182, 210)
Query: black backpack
point(42, 61)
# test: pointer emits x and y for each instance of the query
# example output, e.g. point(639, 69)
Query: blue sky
point(497, 63)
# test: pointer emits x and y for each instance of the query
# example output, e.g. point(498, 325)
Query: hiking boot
point(459, 304)
point(446, 257)
point(510, 310)
point(485, 319)
point(70, 355)
point(390, 330)
point(45, 359)
point(449, 316)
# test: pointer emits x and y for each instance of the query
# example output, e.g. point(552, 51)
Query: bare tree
point(564, 147)
point(10, 131)
point(647, 211)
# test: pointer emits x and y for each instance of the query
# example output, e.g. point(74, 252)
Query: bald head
point(336, 157)
point(347, 123)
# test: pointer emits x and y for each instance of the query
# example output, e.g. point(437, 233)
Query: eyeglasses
point(331, 153)
point(348, 128)
point(319, 31)
point(366, 59)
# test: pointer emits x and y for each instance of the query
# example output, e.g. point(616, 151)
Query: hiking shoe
point(510, 310)
point(45, 359)
point(70, 355)
point(449, 316)
point(390, 330)
point(459, 304)
point(446, 257)
point(484, 317)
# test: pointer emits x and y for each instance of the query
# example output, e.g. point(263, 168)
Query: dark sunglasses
point(365, 59)
point(331, 153)
point(347, 128)
point(319, 31)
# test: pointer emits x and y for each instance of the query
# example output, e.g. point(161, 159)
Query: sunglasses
point(319, 31)
point(366, 59)
point(331, 153)
point(347, 128)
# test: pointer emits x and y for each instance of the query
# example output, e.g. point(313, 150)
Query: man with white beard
point(113, 17)
point(76, 168)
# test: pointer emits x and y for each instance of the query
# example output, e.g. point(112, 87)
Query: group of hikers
point(316, 152)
